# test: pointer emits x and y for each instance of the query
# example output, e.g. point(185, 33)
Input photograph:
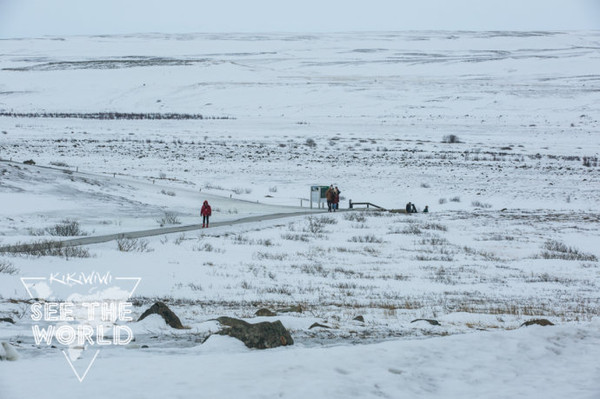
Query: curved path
point(178, 229)
point(159, 231)
point(89, 240)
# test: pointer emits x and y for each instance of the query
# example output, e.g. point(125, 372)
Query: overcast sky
point(33, 18)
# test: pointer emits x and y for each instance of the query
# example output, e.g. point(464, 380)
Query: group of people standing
point(333, 198)
point(411, 208)
point(333, 202)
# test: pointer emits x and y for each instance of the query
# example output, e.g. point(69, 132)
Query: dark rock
point(137, 303)
point(318, 325)
point(265, 312)
point(29, 162)
point(291, 309)
point(259, 335)
point(359, 318)
point(539, 322)
point(144, 346)
point(430, 321)
point(167, 314)
point(7, 320)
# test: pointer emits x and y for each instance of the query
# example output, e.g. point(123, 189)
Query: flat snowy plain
point(512, 234)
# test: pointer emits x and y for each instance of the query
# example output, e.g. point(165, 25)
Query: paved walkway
point(89, 240)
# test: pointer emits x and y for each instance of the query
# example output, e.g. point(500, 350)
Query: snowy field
point(498, 133)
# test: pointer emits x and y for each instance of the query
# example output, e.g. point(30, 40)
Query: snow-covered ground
point(512, 233)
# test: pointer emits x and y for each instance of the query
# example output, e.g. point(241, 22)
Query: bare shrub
point(273, 189)
point(434, 241)
point(372, 251)
point(310, 143)
point(434, 226)
point(72, 252)
point(277, 290)
point(478, 204)
point(497, 237)
point(210, 186)
point(66, 228)
point(355, 217)
point(557, 246)
point(312, 269)
point(455, 199)
point(444, 276)
point(7, 267)
point(295, 237)
point(169, 218)
point(328, 220)
point(366, 239)
point(490, 256)
point(411, 229)
point(133, 245)
point(315, 226)
point(450, 139)
point(195, 287)
point(241, 239)
point(428, 258)
point(359, 226)
point(46, 248)
point(378, 214)
point(269, 256)
point(208, 247)
point(547, 278)
point(558, 250)
point(179, 239)
point(442, 201)
point(590, 162)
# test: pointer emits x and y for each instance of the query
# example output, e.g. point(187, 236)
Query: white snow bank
point(548, 362)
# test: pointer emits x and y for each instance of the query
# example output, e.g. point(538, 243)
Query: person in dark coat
point(413, 209)
point(408, 208)
point(206, 211)
point(330, 195)
point(426, 210)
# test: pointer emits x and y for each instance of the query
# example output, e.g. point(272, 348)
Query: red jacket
point(206, 210)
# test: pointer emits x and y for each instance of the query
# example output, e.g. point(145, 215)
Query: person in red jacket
point(336, 198)
point(205, 212)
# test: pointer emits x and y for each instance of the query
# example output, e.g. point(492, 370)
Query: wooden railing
point(367, 204)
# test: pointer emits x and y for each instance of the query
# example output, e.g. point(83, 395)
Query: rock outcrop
point(539, 322)
point(259, 335)
point(430, 321)
point(265, 312)
point(167, 314)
